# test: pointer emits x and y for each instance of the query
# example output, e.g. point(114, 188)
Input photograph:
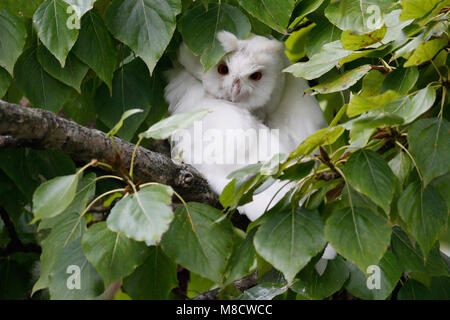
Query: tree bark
point(36, 128)
point(242, 284)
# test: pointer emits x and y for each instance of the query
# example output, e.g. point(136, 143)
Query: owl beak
point(235, 89)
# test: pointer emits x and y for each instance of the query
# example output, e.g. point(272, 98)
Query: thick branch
point(242, 284)
point(42, 129)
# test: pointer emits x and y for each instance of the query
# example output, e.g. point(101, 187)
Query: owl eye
point(256, 76)
point(223, 69)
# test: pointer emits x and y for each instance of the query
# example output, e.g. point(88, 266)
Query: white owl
point(247, 90)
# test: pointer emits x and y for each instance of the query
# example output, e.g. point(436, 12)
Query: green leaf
point(199, 27)
point(53, 196)
point(409, 107)
point(50, 164)
point(369, 174)
point(324, 32)
point(401, 80)
point(208, 236)
point(359, 200)
point(396, 31)
point(306, 7)
point(258, 27)
point(401, 166)
point(263, 291)
point(112, 254)
point(295, 43)
point(405, 50)
point(233, 192)
point(198, 284)
point(442, 185)
point(62, 276)
point(320, 63)
point(353, 41)
point(143, 216)
point(271, 166)
point(242, 260)
point(425, 214)
point(80, 108)
point(358, 235)
point(274, 13)
point(371, 83)
point(131, 89)
point(322, 137)
point(72, 74)
point(150, 25)
point(246, 171)
point(95, 47)
point(51, 23)
point(298, 171)
point(411, 258)
point(154, 279)
point(39, 87)
point(362, 103)
point(440, 288)
point(24, 8)
point(12, 40)
point(14, 279)
point(429, 145)
point(164, 128)
point(66, 228)
point(317, 287)
point(5, 81)
point(119, 124)
point(289, 239)
point(438, 9)
point(358, 16)
point(85, 192)
point(80, 6)
point(363, 126)
point(343, 81)
point(377, 53)
point(425, 52)
point(390, 273)
point(413, 9)
point(27, 167)
point(413, 290)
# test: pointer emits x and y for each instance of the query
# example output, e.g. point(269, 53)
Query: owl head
point(249, 73)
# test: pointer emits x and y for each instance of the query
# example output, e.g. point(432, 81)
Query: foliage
point(379, 195)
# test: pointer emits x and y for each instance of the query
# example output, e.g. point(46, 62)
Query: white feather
point(297, 115)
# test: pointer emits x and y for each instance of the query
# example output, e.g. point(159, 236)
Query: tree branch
point(36, 128)
point(242, 284)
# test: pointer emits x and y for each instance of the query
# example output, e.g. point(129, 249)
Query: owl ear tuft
point(228, 41)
